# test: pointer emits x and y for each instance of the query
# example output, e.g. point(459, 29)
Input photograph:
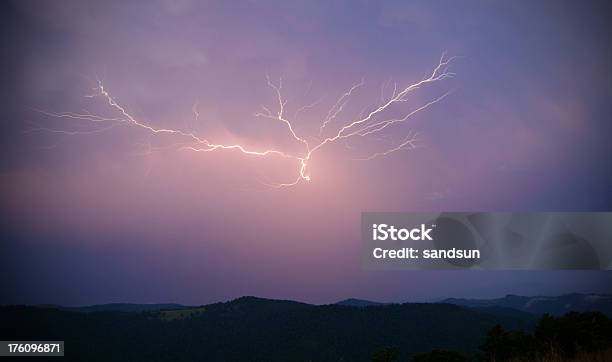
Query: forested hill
point(251, 328)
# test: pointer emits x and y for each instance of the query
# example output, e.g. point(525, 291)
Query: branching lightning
point(368, 124)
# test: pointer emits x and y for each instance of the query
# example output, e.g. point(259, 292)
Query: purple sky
point(91, 219)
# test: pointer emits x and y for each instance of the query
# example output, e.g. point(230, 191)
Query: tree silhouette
point(386, 354)
point(441, 355)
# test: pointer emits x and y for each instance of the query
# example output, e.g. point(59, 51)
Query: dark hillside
point(251, 328)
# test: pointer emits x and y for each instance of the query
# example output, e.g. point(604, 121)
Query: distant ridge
point(538, 305)
point(543, 304)
point(353, 302)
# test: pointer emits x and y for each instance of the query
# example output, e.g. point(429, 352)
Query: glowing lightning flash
point(367, 124)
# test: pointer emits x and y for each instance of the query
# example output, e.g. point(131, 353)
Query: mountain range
point(250, 328)
point(542, 304)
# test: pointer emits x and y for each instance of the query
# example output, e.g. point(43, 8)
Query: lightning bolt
point(407, 144)
point(369, 123)
point(194, 109)
point(339, 106)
